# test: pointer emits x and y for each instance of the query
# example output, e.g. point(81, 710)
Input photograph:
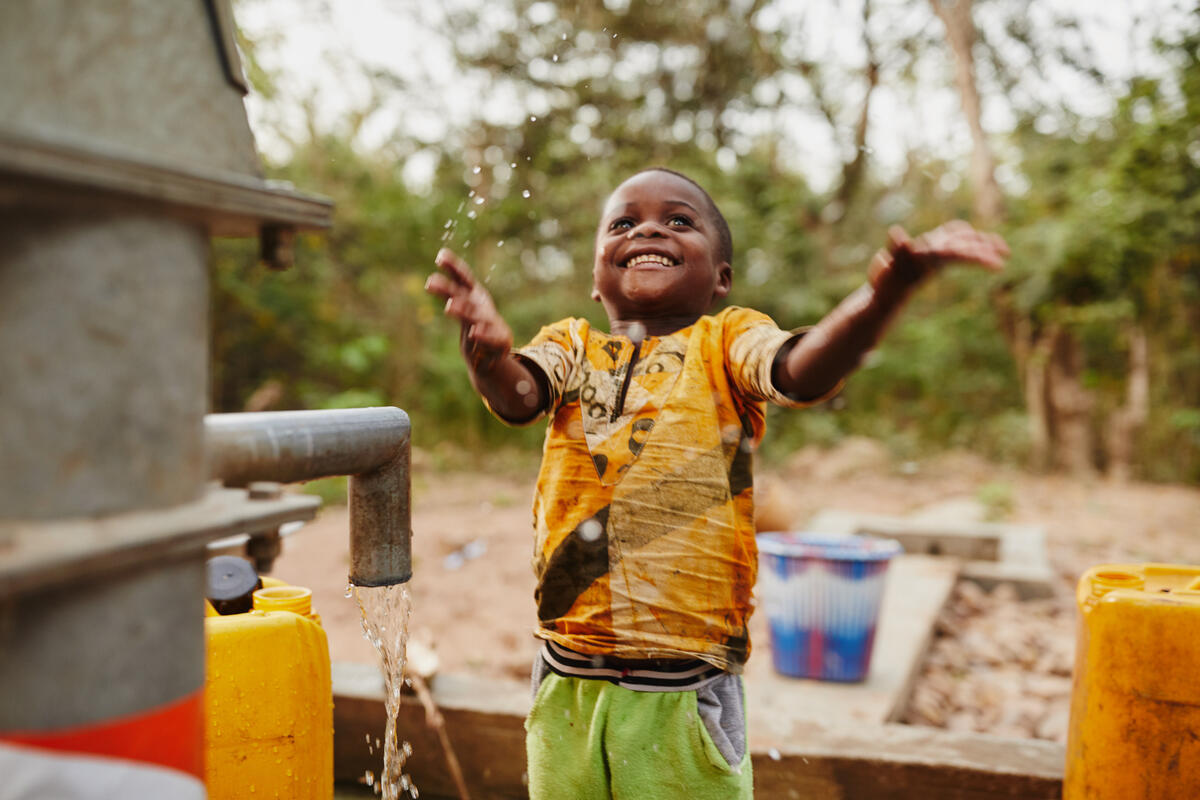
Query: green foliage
point(1105, 236)
point(332, 491)
point(997, 500)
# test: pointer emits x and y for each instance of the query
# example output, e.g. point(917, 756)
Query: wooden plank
point(485, 721)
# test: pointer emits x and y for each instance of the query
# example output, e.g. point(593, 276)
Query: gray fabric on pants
point(721, 703)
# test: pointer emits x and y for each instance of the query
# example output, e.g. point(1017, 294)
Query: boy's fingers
point(441, 285)
point(898, 238)
point(454, 267)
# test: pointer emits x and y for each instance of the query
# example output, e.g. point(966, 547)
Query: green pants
point(591, 740)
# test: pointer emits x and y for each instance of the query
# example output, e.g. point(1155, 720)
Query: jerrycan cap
point(228, 583)
point(296, 599)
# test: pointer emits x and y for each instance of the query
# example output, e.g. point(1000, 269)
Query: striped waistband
point(642, 675)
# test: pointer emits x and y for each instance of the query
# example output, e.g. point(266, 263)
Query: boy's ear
point(724, 280)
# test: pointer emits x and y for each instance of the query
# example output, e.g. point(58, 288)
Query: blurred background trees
point(1083, 356)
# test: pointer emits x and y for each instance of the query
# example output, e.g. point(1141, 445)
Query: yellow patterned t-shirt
point(644, 513)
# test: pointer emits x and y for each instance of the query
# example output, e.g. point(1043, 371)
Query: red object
point(169, 736)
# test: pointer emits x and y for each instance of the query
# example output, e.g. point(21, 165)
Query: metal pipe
point(371, 445)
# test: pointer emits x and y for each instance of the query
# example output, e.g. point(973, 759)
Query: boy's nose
point(645, 229)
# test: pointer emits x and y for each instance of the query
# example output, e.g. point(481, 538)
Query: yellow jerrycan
point(1135, 705)
point(268, 699)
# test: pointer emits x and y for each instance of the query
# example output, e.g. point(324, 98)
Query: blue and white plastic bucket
point(822, 594)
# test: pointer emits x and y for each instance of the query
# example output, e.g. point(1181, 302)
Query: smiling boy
point(644, 535)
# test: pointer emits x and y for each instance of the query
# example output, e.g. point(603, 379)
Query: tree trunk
point(960, 35)
point(854, 170)
point(1070, 405)
point(1037, 400)
point(1125, 422)
point(1031, 354)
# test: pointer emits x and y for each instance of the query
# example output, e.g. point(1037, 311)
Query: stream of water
point(385, 612)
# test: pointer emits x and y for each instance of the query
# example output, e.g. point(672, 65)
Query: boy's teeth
point(649, 258)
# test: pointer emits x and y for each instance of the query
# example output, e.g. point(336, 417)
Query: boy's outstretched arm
point(514, 390)
point(836, 345)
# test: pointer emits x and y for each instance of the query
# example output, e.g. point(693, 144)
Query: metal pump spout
point(371, 445)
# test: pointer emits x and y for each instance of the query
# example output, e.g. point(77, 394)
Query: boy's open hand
point(486, 337)
point(916, 258)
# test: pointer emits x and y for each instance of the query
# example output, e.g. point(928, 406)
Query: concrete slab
point(978, 541)
point(994, 552)
point(782, 708)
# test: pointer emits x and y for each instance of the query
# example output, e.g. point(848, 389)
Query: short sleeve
point(754, 341)
point(554, 350)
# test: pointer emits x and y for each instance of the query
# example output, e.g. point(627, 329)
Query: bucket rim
point(828, 546)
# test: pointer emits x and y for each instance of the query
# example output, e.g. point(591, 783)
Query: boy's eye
point(621, 224)
point(679, 220)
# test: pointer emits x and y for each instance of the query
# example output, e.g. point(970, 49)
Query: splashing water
point(385, 612)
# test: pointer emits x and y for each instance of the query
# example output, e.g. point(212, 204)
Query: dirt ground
point(998, 665)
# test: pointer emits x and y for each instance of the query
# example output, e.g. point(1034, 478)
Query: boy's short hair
point(724, 237)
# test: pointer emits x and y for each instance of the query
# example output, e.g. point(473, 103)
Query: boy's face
point(656, 252)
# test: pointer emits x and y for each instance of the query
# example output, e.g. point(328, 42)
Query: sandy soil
point(472, 586)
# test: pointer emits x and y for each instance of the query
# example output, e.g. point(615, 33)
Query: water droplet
point(564, 37)
point(471, 214)
point(554, 58)
point(533, 117)
point(500, 243)
point(513, 165)
point(475, 170)
point(590, 530)
point(478, 201)
point(525, 193)
point(774, 754)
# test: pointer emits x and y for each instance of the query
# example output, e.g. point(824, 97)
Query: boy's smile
point(657, 262)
